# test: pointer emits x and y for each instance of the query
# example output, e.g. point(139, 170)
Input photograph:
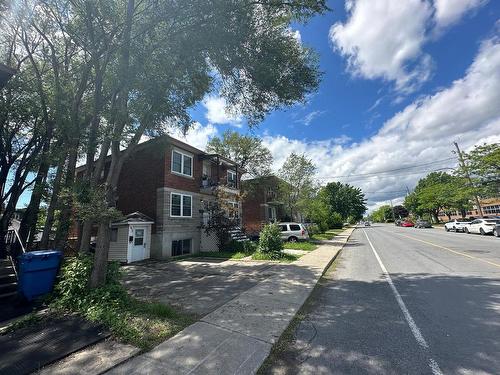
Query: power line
point(391, 175)
point(392, 170)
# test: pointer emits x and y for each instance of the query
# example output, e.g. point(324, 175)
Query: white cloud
point(309, 118)
point(450, 11)
point(217, 112)
point(197, 136)
point(384, 39)
point(466, 111)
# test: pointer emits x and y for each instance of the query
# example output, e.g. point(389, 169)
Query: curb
point(238, 323)
point(336, 255)
point(326, 268)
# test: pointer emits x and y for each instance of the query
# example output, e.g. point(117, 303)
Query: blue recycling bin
point(37, 272)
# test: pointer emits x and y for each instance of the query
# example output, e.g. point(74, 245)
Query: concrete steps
point(8, 280)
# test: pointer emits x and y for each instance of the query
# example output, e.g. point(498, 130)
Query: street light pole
point(466, 171)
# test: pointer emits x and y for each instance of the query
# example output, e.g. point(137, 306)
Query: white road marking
point(411, 323)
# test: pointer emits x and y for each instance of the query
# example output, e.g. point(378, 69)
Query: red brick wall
point(186, 183)
point(141, 175)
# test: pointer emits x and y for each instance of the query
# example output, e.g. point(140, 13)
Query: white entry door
point(138, 246)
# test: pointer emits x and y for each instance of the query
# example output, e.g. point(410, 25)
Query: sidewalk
point(238, 336)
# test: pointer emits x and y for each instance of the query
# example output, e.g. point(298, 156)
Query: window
point(181, 247)
point(294, 227)
point(182, 163)
point(233, 208)
point(271, 212)
point(113, 236)
point(283, 228)
point(231, 178)
point(139, 237)
point(181, 205)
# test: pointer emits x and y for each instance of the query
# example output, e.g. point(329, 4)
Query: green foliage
point(270, 242)
point(382, 214)
point(246, 150)
point(343, 199)
point(297, 186)
point(286, 258)
point(336, 221)
point(439, 191)
point(300, 245)
point(140, 323)
point(483, 165)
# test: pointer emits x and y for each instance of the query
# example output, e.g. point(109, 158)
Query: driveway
point(197, 286)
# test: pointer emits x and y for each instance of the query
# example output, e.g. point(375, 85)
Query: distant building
point(490, 207)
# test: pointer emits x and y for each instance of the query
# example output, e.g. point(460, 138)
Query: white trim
point(182, 153)
point(230, 171)
point(181, 216)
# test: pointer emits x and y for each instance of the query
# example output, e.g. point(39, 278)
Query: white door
point(138, 246)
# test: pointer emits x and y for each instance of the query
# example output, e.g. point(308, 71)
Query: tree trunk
point(65, 219)
point(98, 276)
point(49, 221)
point(27, 229)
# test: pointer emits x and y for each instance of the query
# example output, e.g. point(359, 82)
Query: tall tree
point(166, 62)
point(344, 199)
point(298, 187)
point(483, 164)
point(246, 150)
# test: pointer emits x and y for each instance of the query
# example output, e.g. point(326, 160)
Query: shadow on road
point(356, 327)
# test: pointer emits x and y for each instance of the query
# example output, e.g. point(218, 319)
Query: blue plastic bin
point(37, 272)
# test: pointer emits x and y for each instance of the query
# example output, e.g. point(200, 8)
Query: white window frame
point(236, 209)
point(182, 153)
point(181, 216)
point(230, 171)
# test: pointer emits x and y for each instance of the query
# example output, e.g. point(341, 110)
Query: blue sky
point(402, 80)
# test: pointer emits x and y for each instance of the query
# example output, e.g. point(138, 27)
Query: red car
point(407, 223)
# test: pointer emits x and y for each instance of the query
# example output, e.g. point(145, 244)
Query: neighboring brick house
point(490, 207)
point(261, 203)
point(173, 183)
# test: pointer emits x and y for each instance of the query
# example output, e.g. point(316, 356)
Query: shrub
point(141, 323)
point(313, 229)
point(336, 221)
point(246, 247)
point(270, 241)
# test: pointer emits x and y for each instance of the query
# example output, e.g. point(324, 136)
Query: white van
point(293, 232)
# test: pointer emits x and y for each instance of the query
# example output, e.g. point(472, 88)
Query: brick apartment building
point(172, 183)
point(490, 207)
point(261, 204)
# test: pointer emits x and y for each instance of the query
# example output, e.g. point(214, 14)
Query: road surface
point(402, 301)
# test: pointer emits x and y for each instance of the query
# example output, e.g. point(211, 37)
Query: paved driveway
point(198, 286)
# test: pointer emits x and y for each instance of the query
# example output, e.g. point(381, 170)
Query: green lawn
point(328, 235)
point(302, 245)
point(287, 258)
point(222, 254)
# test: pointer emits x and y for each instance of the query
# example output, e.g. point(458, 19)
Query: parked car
point(293, 232)
point(456, 225)
point(407, 223)
point(482, 226)
point(496, 230)
point(367, 224)
point(423, 224)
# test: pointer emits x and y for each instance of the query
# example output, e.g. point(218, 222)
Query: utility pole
point(407, 190)
point(466, 171)
point(392, 210)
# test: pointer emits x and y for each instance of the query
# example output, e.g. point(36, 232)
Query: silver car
point(293, 232)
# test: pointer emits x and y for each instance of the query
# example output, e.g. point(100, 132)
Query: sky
point(402, 80)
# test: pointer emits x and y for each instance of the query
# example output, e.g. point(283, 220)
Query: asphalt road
point(403, 301)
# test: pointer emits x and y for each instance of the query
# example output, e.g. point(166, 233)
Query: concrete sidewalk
point(237, 337)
